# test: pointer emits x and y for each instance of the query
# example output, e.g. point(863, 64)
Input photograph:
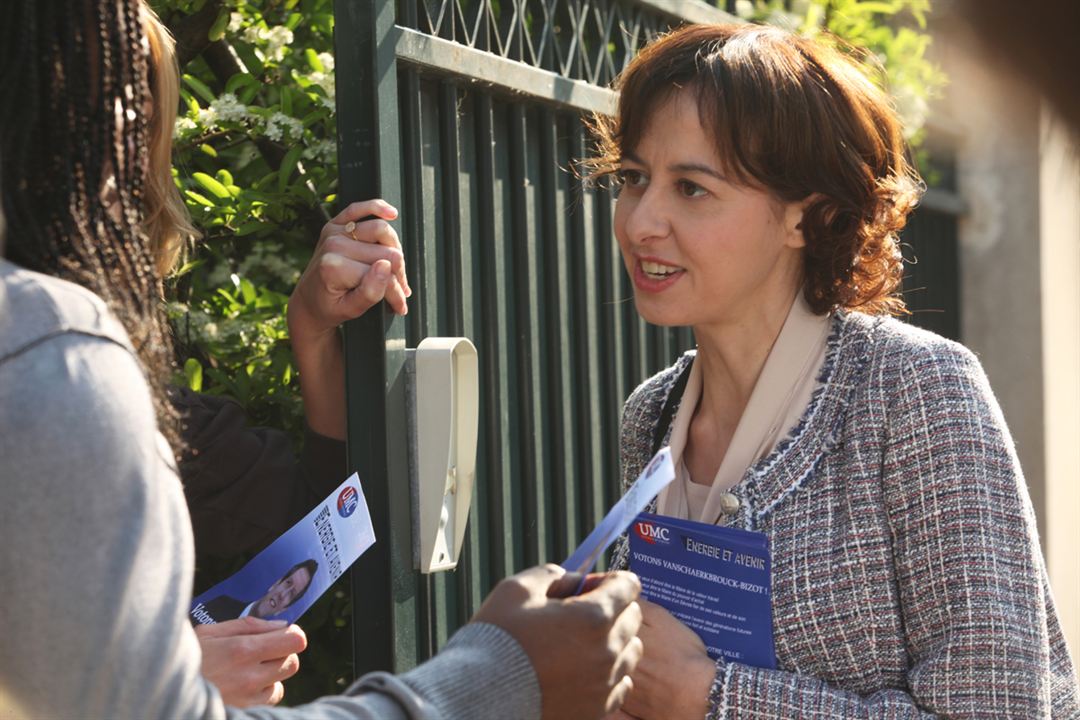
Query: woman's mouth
point(654, 276)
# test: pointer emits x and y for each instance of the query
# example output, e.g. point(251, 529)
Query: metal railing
point(467, 114)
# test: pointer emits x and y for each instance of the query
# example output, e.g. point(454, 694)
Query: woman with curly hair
point(763, 179)
point(99, 558)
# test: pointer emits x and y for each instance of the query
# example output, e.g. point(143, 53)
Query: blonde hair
point(166, 221)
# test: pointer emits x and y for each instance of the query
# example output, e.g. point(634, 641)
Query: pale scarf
point(779, 399)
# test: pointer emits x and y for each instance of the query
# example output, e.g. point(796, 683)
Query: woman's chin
point(657, 314)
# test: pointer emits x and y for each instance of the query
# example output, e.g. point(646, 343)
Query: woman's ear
point(793, 220)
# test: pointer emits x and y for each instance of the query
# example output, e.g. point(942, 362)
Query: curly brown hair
point(801, 120)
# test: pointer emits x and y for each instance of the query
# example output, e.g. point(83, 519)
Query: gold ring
point(349, 228)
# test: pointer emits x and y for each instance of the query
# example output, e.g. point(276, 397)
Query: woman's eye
point(631, 178)
point(690, 189)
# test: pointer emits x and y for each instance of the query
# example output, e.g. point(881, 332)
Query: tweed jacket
point(907, 576)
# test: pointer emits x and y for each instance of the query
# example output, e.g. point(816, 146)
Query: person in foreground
point(243, 485)
point(96, 616)
point(763, 180)
point(91, 496)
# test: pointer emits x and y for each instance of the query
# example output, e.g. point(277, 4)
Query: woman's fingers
point(356, 286)
point(354, 212)
point(365, 253)
point(366, 222)
point(354, 238)
point(271, 695)
point(283, 668)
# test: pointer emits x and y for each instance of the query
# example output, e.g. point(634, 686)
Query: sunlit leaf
point(214, 187)
point(199, 88)
point(194, 373)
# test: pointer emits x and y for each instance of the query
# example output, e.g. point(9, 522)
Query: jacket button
point(729, 503)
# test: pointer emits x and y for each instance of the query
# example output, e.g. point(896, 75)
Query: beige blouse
point(783, 391)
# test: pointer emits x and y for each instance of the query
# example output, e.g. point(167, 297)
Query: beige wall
point(1020, 288)
point(1059, 196)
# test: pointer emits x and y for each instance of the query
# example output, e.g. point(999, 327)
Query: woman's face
point(701, 250)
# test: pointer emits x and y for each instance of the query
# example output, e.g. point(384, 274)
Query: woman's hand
point(673, 679)
point(247, 659)
point(357, 264)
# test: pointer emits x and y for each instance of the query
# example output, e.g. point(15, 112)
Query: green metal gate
point(466, 115)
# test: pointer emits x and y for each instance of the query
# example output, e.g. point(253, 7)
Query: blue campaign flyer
point(286, 578)
point(716, 580)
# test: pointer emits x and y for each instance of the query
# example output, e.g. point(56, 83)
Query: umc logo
point(347, 501)
point(651, 533)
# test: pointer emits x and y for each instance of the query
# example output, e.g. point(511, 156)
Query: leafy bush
point(256, 164)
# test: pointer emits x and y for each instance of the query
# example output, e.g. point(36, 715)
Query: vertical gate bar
point(412, 219)
point(409, 17)
point(473, 566)
point(593, 421)
point(415, 246)
point(496, 353)
point(620, 349)
point(527, 299)
point(663, 351)
point(458, 283)
point(454, 266)
point(433, 293)
point(453, 272)
point(383, 580)
point(560, 415)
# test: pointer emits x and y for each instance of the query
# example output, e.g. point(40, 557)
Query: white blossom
point(227, 108)
point(254, 34)
point(323, 151)
point(323, 80)
point(280, 126)
point(278, 38)
point(266, 258)
point(207, 117)
point(184, 125)
point(327, 61)
point(235, 21)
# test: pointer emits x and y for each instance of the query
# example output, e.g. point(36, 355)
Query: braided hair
point(74, 108)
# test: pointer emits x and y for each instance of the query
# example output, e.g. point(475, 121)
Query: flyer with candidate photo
point(286, 578)
point(715, 580)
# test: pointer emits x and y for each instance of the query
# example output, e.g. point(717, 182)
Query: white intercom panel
point(444, 396)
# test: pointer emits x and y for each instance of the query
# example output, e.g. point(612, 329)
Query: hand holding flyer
point(286, 578)
point(716, 580)
point(655, 477)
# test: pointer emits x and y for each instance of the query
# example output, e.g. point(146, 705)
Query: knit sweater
point(907, 577)
point(99, 558)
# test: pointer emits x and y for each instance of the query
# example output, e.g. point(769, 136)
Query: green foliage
point(256, 165)
point(892, 31)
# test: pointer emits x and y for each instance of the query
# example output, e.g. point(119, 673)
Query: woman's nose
point(647, 218)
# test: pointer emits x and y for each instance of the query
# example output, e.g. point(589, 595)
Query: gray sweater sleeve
point(98, 567)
